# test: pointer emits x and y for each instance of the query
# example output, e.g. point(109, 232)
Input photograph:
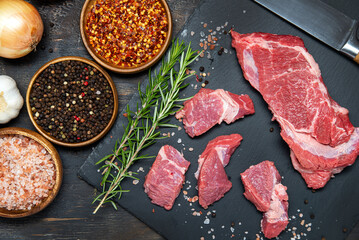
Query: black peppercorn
point(201, 68)
point(63, 104)
point(220, 51)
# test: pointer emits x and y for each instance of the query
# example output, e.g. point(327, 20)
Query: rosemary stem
point(126, 168)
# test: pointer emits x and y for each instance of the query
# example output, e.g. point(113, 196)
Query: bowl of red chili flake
point(126, 36)
point(30, 172)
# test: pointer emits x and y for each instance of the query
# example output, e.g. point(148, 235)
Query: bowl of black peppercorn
point(72, 101)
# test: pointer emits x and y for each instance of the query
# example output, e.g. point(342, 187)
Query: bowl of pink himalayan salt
point(30, 172)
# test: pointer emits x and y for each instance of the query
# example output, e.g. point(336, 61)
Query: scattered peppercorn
point(50, 50)
point(225, 32)
point(305, 201)
point(220, 51)
point(51, 24)
point(345, 230)
point(65, 107)
point(206, 82)
point(213, 214)
point(271, 129)
point(323, 238)
point(232, 224)
point(201, 68)
point(313, 190)
point(127, 33)
point(312, 216)
point(42, 47)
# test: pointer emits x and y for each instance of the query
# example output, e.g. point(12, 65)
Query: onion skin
point(21, 28)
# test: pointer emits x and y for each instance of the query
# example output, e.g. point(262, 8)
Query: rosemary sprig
point(157, 103)
point(147, 98)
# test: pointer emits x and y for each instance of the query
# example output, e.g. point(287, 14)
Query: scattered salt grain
point(232, 229)
point(190, 149)
point(135, 182)
point(179, 140)
point(206, 221)
point(192, 33)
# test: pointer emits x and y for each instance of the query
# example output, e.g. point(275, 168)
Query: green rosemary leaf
point(104, 158)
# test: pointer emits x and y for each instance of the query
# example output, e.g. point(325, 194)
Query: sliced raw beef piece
point(210, 107)
point(164, 181)
point(213, 182)
point(263, 188)
point(321, 137)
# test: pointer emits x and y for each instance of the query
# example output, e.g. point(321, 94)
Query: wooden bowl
point(124, 70)
point(58, 166)
point(115, 102)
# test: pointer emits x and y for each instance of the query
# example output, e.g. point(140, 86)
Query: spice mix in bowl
point(126, 36)
point(31, 172)
point(72, 101)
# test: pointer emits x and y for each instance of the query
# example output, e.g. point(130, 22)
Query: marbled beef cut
point(213, 182)
point(318, 131)
point(164, 181)
point(263, 188)
point(210, 107)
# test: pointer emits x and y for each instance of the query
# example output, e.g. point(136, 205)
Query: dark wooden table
point(70, 215)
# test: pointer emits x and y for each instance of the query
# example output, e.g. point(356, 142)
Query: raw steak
point(164, 181)
point(263, 188)
point(213, 182)
point(210, 107)
point(321, 137)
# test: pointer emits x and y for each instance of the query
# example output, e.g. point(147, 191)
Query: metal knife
point(321, 21)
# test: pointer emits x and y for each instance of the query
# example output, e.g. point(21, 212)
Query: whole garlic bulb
point(11, 100)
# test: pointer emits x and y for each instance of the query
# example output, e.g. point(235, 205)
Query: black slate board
point(328, 211)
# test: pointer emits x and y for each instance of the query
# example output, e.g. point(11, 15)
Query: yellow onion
point(21, 28)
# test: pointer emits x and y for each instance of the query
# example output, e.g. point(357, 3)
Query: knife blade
point(321, 21)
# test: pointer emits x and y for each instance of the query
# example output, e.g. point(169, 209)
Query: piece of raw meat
point(165, 179)
point(213, 182)
point(318, 131)
point(263, 188)
point(210, 107)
